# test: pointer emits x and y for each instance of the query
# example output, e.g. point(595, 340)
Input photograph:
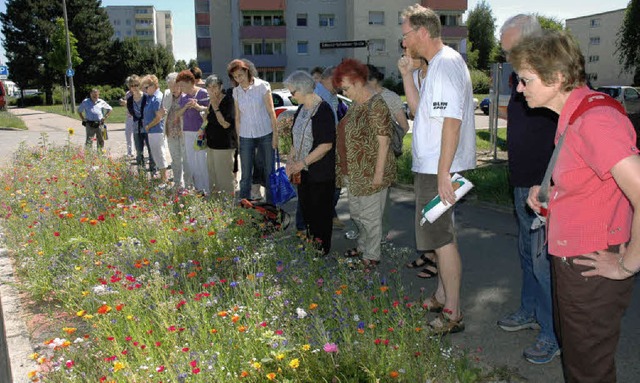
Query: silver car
point(628, 96)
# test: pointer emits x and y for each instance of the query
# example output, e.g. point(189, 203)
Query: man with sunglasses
point(530, 137)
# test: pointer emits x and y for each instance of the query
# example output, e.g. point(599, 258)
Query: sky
point(184, 41)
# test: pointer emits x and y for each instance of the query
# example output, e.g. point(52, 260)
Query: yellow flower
point(306, 347)
point(69, 330)
point(279, 356)
point(295, 363)
point(78, 268)
point(257, 365)
point(71, 131)
point(32, 374)
point(34, 356)
point(271, 375)
point(313, 306)
point(117, 366)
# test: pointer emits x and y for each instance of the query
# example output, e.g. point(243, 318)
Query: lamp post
point(70, 64)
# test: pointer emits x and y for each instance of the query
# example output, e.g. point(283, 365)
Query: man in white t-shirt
point(443, 144)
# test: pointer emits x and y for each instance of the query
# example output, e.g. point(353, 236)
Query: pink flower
point(330, 347)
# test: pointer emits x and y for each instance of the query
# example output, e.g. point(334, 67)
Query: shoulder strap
point(588, 102)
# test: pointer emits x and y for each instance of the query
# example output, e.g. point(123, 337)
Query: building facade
point(143, 22)
point(280, 36)
point(597, 35)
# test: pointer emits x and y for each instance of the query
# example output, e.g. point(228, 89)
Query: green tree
point(628, 42)
point(481, 25)
point(180, 66)
point(550, 23)
point(192, 64)
point(472, 56)
point(58, 58)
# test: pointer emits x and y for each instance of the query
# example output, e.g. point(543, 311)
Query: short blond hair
point(149, 79)
point(419, 16)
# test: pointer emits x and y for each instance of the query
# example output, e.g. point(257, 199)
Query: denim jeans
point(265, 152)
point(141, 140)
point(535, 296)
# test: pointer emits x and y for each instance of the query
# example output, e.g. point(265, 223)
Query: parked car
point(283, 100)
point(484, 106)
point(3, 101)
point(628, 96)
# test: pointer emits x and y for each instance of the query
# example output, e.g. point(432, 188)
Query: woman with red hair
point(364, 161)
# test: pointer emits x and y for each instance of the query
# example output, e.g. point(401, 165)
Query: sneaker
point(518, 321)
point(352, 234)
point(337, 224)
point(543, 351)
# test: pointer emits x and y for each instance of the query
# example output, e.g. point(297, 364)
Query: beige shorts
point(431, 236)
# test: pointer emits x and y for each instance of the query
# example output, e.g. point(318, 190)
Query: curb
point(16, 341)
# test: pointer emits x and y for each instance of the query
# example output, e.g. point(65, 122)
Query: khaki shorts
point(431, 236)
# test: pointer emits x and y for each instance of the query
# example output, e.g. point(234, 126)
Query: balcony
point(262, 5)
point(262, 61)
point(458, 32)
point(446, 5)
point(270, 32)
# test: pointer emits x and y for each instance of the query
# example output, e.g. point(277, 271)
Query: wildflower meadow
point(165, 287)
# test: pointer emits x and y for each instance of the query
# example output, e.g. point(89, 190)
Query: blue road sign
point(70, 72)
point(4, 71)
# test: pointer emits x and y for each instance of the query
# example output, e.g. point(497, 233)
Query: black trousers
point(316, 200)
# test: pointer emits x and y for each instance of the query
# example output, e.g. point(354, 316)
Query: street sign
point(343, 44)
point(70, 72)
point(4, 72)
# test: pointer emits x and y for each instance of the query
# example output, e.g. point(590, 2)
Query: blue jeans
point(265, 153)
point(141, 140)
point(535, 296)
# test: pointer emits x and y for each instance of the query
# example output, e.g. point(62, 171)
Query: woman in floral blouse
point(364, 161)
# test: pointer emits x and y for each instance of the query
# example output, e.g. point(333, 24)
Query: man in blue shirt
point(96, 111)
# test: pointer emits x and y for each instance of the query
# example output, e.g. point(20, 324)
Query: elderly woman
point(193, 102)
point(255, 123)
point(135, 103)
point(173, 130)
point(153, 124)
point(364, 160)
point(221, 136)
point(313, 155)
point(590, 215)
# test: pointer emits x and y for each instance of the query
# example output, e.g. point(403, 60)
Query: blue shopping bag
point(279, 184)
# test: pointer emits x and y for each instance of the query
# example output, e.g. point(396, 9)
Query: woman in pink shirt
point(593, 233)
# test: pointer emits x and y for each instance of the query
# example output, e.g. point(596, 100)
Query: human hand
point(445, 189)
point(405, 65)
point(532, 200)
point(274, 141)
point(605, 264)
point(377, 180)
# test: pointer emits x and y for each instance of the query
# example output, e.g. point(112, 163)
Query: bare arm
point(268, 103)
point(156, 119)
point(401, 117)
point(448, 147)
point(316, 155)
point(411, 92)
point(383, 149)
point(607, 264)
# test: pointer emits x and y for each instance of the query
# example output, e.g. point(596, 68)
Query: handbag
point(397, 136)
point(281, 189)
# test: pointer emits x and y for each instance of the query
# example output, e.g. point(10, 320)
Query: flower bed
point(160, 287)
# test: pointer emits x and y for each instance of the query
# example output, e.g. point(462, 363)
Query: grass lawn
point(118, 115)
point(8, 120)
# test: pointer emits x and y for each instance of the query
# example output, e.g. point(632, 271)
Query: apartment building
point(597, 35)
point(280, 36)
point(144, 22)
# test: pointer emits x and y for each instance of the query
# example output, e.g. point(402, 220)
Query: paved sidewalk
point(490, 285)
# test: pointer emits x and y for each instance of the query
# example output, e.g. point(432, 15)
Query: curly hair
point(186, 76)
point(352, 69)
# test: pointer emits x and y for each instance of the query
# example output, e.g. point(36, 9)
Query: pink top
point(587, 209)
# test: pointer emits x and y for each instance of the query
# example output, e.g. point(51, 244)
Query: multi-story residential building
point(280, 36)
point(597, 35)
point(144, 22)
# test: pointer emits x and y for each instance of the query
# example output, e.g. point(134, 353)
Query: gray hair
point(300, 81)
point(171, 77)
point(328, 73)
point(528, 25)
point(213, 80)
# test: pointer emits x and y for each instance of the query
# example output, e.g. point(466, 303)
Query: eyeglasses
point(404, 35)
point(524, 81)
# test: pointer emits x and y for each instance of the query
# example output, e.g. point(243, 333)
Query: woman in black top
point(313, 154)
point(220, 133)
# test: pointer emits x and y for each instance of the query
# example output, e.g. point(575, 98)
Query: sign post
point(343, 44)
point(4, 72)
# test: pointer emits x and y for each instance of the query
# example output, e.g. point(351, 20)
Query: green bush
point(481, 81)
point(32, 100)
point(107, 93)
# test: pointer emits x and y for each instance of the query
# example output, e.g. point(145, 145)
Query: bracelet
point(304, 162)
point(624, 268)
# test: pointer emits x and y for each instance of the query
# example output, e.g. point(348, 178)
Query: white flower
point(301, 313)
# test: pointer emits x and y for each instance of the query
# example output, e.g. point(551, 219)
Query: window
point(267, 21)
point(202, 6)
point(594, 41)
point(630, 94)
point(277, 20)
point(257, 21)
point(257, 48)
point(377, 46)
point(301, 19)
point(128, 22)
point(376, 18)
point(595, 23)
point(128, 32)
point(277, 49)
point(328, 20)
point(448, 20)
point(247, 49)
point(594, 58)
point(202, 31)
point(303, 47)
point(118, 34)
point(246, 20)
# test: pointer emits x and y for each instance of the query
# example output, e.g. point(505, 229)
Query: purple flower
point(330, 347)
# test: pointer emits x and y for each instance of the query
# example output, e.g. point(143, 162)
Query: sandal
point(444, 325)
point(433, 305)
point(421, 261)
point(352, 253)
point(370, 265)
point(429, 271)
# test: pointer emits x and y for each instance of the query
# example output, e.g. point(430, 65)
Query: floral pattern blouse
point(364, 123)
